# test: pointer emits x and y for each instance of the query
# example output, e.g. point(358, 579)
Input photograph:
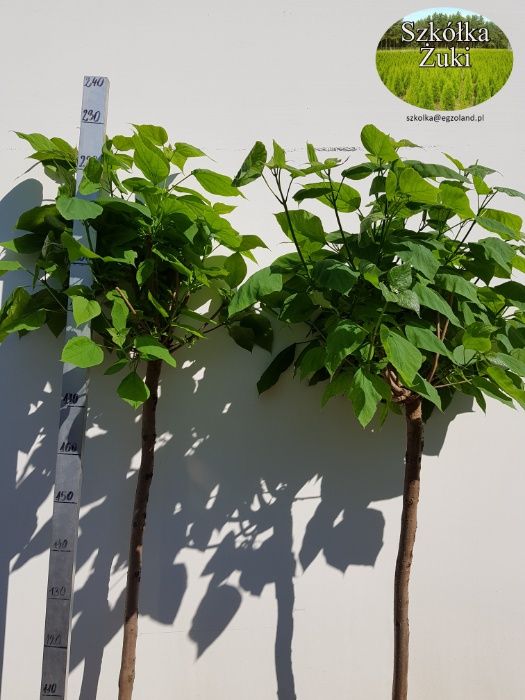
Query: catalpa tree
point(164, 267)
point(411, 299)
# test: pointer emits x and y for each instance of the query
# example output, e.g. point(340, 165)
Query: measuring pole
point(73, 407)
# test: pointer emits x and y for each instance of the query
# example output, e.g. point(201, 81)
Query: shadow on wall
point(24, 403)
point(228, 476)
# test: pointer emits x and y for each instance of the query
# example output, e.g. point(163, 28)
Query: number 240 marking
point(93, 81)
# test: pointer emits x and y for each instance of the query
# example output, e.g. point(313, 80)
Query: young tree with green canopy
point(407, 301)
point(165, 265)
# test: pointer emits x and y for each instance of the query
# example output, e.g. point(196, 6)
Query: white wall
point(220, 75)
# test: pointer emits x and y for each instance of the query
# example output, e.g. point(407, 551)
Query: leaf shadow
point(235, 474)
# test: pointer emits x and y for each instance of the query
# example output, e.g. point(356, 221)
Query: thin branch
point(126, 300)
point(334, 202)
point(437, 355)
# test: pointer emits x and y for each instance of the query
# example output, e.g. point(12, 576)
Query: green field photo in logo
point(444, 58)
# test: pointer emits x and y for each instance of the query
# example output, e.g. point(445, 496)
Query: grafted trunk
point(145, 476)
point(414, 450)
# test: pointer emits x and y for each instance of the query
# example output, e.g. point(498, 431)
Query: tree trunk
point(145, 475)
point(406, 546)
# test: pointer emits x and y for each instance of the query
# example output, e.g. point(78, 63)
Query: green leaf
point(497, 251)
point(253, 166)
point(459, 165)
point(454, 198)
point(378, 185)
point(85, 309)
point(479, 170)
point(82, 352)
point(514, 364)
point(511, 385)
point(279, 364)
point(150, 160)
point(215, 183)
point(339, 384)
point(510, 192)
point(118, 336)
point(400, 277)
point(76, 209)
point(38, 141)
point(346, 198)
point(506, 225)
point(512, 291)
point(462, 356)
point(312, 155)
point(19, 314)
point(426, 390)
point(90, 182)
point(457, 285)
point(172, 260)
point(9, 266)
point(16, 305)
point(408, 299)
point(76, 250)
point(278, 159)
point(420, 257)
point(365, 395)
point(187, 150)
point(341, 342)
point(370, 272)
point(311, 361)
point(489, 388)
point(303, 223)
point(148, 132)
point(434, 170)
point(201, 318)
point(117, 366)
point(480, 185)
point(404, 356)
point(406, 143)
point(157, 305)
point(122, 143)
point(124, 206)
point(426, 339)
point(150, 348)
point(40, 219)
point(30, 321)
point(477, 337)
point(334, 275)
point(313, 190)
point(244, 337)
point(189, 329)
point(119, 313)
point(222, 208)
point(26, 245)
point(297, 308)
point(259, 285)
point(359, 172)
point(144, 271)
point(261, 329)
point(133, 390)
point(418, 189)
point(432, 300)
point(378, 144)
point(249, 242)
point(236, 268)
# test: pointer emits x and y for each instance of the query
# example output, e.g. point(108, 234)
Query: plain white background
point(264, 512)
